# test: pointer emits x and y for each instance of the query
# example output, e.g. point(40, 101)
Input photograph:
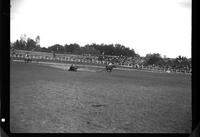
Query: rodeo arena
point(67, 93)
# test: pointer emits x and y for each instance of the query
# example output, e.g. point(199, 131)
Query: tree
point(57, 48)
point(181, 62)
point(169, 63)
point(37, 40)
point(23, 38)
point(24, 43)
point(16, 45)
point(44, 49)
point(20, 44)
point(30, 44)
point(90, 49)
point(137, 59)
point(71, 48)
point(154, 59)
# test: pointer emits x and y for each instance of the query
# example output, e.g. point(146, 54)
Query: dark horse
point(109, 68)
point(73, 68)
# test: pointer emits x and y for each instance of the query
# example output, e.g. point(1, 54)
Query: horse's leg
point(106, 69)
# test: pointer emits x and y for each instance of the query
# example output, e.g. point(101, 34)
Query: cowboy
point(72, 67)
point(26, 56)
point(110, 64)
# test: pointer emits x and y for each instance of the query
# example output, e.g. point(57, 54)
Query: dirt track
point(46, 99)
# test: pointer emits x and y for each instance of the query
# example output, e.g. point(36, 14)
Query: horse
point(109, 68)
point(27, 59)
point(73, 68)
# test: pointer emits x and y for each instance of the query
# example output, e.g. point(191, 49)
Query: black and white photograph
point(100, 66)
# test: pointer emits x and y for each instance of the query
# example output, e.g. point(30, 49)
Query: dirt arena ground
point(48, 99)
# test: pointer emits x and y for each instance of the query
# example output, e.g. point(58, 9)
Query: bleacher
point(20, 54)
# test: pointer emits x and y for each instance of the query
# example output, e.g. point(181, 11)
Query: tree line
point(74, 48)
point(155, 59)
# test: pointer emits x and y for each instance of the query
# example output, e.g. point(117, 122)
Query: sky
point(147, 26)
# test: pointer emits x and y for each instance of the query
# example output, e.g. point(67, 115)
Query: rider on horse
point(73, 68)
point(26, 58)
point(109, 67)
